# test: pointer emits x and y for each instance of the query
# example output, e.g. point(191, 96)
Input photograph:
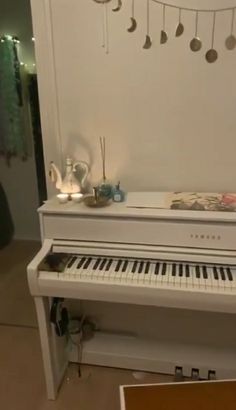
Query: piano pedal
point(211, 375)
point(195, 374)
point(178, 377)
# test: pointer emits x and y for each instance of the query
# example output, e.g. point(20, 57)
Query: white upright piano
point(155, 259)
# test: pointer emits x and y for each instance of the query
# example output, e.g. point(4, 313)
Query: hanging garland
point(195, 44)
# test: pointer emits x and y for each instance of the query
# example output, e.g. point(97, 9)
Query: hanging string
point(164, 17)
point(213, 30)
point(103, 26)
point(180, 13)
point(107, 29)
point(148, 17)
point(232, 21)
point(196, 24)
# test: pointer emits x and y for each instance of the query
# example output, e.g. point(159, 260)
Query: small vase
point(106, 189)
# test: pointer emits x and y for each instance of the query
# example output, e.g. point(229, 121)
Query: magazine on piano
point(195, 201)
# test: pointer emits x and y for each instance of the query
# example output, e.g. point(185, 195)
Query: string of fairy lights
point(15, 40)
point(195, 43)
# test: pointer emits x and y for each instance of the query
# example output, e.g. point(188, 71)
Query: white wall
point(168, 115)
point(19, 181)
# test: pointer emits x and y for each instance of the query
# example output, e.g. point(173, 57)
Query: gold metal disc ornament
point(195, 43)
point(211, 54)
point(230, 42)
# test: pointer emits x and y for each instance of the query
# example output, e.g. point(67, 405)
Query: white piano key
point(195, 280)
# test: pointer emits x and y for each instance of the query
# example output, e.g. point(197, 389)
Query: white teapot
point(69, 184)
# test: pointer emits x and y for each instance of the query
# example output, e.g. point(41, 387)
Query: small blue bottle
point(118, 194)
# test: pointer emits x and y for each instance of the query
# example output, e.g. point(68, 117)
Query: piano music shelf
point(160, 356)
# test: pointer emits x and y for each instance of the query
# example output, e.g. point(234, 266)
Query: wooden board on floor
point(206, 395)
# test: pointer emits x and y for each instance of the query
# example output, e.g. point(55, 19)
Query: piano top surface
point(120, 210)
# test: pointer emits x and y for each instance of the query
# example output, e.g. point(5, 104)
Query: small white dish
point(62, 198)
point(76, 197)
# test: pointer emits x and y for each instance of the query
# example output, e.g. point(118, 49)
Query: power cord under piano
point(80, 330)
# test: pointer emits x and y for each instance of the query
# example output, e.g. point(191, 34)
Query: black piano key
point(108, 264)
point(198, 273)
point(124, 267)
point(95, 266)
point(103, 263)
point(205, 274)
point(118, 265)
point(181, 270)
point(157, 268)
point(215, 273)
point(134, 267)
point(163, 269)
point(147, 267)
point(71, 262)
point(81, 262)
point(187, 271)
point(87, 263)
point(140, 269)
point(222, 273)
point(229, 274)
point(174, 269)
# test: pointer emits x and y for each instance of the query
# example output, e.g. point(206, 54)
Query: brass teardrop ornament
point(180, 28)
point(118, 6)
point(230, 42)
point(133, 26)
point(196, 44)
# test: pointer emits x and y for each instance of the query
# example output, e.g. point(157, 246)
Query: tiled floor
point(21, 374)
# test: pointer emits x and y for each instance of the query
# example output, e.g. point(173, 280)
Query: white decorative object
point(69, 184)
point(62, 198)
point(76, 197)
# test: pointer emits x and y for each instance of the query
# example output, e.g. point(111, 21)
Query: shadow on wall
point(6, 223)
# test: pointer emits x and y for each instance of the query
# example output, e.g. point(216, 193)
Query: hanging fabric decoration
point(195, 44)
point(13, 140)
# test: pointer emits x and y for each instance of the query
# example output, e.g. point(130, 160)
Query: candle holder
point(76, 197)
point(63, 198)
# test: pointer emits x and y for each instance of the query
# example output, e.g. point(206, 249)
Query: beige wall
point(19, 181)
point(168, 115)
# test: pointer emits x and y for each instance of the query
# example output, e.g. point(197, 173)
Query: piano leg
point(54, 357)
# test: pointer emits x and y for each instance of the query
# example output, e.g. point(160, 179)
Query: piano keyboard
point(148, 273)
